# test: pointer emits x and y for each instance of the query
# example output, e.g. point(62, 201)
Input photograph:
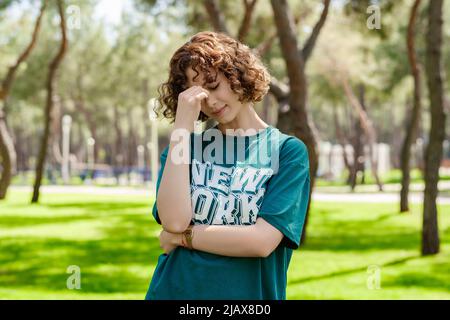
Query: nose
point(211, 101)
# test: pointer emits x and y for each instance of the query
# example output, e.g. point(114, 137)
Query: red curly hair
point(207, 51)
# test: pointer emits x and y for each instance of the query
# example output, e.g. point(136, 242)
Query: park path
point(320, 194)
point(373, 197)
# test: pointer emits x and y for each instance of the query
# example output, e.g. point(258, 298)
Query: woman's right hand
point(189, 107)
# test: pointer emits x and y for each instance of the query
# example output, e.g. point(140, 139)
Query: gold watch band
point(188, 235)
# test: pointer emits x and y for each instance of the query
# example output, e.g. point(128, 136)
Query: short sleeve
point(287, 193)
point(163, 159)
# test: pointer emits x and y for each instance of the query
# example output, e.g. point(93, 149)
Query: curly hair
point(210, 51)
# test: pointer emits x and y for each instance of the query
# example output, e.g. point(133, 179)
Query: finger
point(196, 90)
point(199, 98)
point(192, 90)
point(199, 91)
point(204, 90)
point(188, 92)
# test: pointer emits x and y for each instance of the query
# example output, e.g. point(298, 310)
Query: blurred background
point(365, 84)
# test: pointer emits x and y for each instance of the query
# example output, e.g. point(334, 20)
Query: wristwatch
point(188, 234)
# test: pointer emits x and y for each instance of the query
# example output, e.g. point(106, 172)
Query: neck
point(246, 119)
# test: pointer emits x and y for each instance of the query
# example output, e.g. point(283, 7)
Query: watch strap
point(188, 234)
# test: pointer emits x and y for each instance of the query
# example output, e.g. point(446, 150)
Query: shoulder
point(292, 150)
point(293, 144)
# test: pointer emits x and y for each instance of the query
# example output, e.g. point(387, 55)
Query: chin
point(223, 120)
point(227, 118)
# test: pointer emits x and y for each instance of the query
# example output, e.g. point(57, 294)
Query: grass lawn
point(114, 243)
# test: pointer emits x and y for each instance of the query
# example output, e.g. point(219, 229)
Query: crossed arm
point(257, 240)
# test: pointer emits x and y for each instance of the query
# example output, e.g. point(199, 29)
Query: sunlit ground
point(352, 249)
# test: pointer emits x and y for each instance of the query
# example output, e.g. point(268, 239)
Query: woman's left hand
point(169, 241)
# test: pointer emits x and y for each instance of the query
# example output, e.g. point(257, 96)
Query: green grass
point(114, 242)
point(345, 239)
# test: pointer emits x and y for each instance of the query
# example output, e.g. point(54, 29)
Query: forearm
point(232, 241)
point(257, 240)
point(174, 194)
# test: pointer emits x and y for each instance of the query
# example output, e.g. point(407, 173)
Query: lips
point(220, 111)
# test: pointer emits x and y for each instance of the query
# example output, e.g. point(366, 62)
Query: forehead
point(198, 75)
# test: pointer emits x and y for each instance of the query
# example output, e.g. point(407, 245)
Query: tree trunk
point(244, 28)
point(55, 132)
point(295, 120)
point(49, 104)
point(118, 159)
point(7, 151)
point(433, 156)
point(217, 19)
point(359, 164)
point(343, 141)
point(358, 154)
point(7, 156)
point(21, 143)
point(412, 126)
point(91, 125)
point(367, 125)
point(132, 144)
point(147, 132)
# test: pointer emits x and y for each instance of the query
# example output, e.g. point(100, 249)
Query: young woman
point(231, 199)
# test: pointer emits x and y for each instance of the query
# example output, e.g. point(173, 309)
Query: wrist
point(184, 124)
point(188, 236)
point(189, 125)
point(178, 239)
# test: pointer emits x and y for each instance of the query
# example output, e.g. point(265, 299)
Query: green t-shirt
point(270, 179)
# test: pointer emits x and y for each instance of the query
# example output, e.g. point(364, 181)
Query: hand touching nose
point(189, 106)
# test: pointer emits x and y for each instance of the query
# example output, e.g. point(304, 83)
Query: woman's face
point(223, 104)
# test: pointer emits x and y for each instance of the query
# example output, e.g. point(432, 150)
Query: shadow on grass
point(20, 222)
point(356, 241)
point(84, 210)
point(438, 278)
point(350, 271)
point(121, 261)
point(376, 234)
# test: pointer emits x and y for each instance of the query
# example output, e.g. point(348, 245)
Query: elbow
point(175, 227)
point(173, 223)
point(266, 247)
point(263, 250)
point(269, 238)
